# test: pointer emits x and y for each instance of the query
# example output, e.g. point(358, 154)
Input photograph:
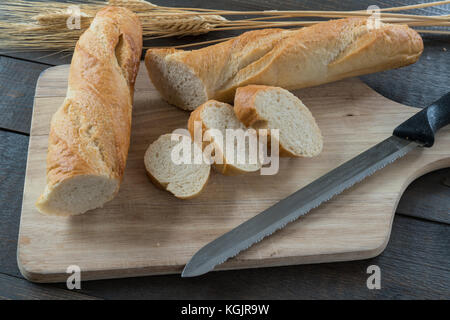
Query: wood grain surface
point(12, 288)
point(16, 103)
point(146, 231)
point(13, 158)
point(415, 264)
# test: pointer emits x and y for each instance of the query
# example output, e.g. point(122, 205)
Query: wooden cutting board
point(146, 231)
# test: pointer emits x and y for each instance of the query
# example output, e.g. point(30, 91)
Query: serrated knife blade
point(419, 130)
point(296, 205)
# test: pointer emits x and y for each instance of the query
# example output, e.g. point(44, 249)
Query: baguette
point(184, 181)
point(292, 59)
point(90, 133)
point(264, 107)
point(220, 116)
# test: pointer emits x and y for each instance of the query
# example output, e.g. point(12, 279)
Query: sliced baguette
point(276, 108)
point(185, 181)
point(217, 115)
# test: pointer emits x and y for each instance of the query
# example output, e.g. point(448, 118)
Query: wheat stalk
point(40, 25)
point(193, 25)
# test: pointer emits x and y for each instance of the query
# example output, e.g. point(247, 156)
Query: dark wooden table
point(416, 263)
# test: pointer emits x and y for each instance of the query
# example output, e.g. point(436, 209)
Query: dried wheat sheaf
point(42, 25)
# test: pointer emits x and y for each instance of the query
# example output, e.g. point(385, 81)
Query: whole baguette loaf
point(90, 133)
point(292, 59)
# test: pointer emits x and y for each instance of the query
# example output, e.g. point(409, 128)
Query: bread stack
point(256, 107)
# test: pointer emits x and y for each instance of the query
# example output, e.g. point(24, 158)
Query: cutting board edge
point(61, 276)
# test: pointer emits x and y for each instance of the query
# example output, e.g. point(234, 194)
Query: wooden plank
point(419, 256)
point(146, 231)
point(415, 265)
point(12, 288)
point(13, 156)
point(17, 82)
point(49, 58)
point(428, 197)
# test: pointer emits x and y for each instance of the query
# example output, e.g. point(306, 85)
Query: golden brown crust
point(328, 52)
point(90, 132)
point(216, 64)
point(244, 105)
point(196, 115)
point(295, 59)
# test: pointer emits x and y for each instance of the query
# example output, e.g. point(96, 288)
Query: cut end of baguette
point(184, 181)
point(175, 81)
point(77, 195)
point(215, 115)
point(277, 108)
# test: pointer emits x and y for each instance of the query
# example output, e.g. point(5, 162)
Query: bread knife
point(417, 131)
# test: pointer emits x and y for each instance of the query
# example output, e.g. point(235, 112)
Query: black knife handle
point(422, 126)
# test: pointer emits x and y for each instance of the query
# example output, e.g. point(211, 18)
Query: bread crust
point(244, 104)
point(90, 132)
point(295, 59)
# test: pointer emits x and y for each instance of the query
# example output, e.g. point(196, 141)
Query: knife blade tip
point(196, 266)
point(189, 272)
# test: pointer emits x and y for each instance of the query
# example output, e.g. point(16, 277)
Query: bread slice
point(185, 181)
point(276, 108)
point(217, 115)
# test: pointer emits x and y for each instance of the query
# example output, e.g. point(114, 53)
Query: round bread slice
point(185, 181)
point(276, 108)
point(220, 116)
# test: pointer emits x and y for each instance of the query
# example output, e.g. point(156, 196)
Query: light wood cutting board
point(146, 231)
